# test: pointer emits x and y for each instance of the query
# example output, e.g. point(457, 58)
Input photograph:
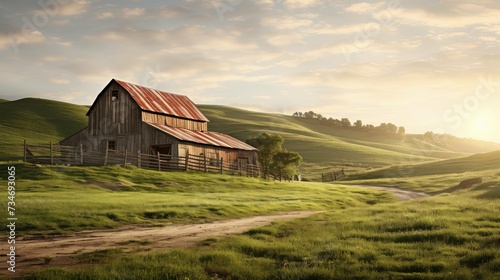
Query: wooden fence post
point(159, 161)
point(51, 154)
point(139, 159)
point(187, 161)
point(205, 162)
point(106, 156)
point(125, 162)
point(25, 154)
point(81, 154)
point(221, 165)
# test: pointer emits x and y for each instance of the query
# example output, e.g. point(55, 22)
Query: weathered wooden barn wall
point(110, 116)
point(174, 121)
point(81, 137)
point(151, 137)
point(130, 143)
point(213, 152)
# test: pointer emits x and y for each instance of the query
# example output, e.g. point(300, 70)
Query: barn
point(133, 118)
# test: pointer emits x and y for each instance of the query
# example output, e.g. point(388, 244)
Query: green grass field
point(455, 236)
point(58, 199)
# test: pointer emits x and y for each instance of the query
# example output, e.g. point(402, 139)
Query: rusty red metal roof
point(204, 137)
point(162, 102)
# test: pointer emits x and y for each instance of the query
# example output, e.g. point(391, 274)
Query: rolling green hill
point(37, 121)
point(474, 163)
point(324, 148)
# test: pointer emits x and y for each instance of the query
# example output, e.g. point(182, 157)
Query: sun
point(481, 123)
point(481, 126)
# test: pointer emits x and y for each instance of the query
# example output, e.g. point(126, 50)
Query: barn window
point(114, 95)
point(111, 145)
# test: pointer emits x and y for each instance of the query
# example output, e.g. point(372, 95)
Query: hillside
point(38, 121)
point(473, 163)
point(327, 146)
point(324, 148)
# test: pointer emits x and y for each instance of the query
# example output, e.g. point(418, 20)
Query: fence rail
point(56, 154)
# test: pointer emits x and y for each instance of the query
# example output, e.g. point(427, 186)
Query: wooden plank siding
point(174, 121)
point(114, 117)
point(151, 137)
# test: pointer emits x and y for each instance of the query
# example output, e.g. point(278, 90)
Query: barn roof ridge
point(159, 101)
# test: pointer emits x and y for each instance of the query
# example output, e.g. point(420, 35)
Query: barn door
point(162, 149)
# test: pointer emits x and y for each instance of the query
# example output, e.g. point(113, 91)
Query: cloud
point(286, 22)
point(451, 14)
point(448, 35)
point(74, 7)
point(328, 29)
point(16, 39)
point(132, 12)
point(300, 4)
point(105, 15)
point(286, 40)
point(52, 58)
point(364, 7)
point(59, 81)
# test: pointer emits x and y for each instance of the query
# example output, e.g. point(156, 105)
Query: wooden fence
point(333, 176)
point(56, 154)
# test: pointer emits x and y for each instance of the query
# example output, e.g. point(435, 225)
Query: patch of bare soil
point(63, 251)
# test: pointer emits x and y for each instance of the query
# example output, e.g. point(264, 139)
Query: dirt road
point(64, 249)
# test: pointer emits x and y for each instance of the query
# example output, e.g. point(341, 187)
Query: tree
point(392, 128)
point(401, 132)
point(273, 159)
point(358, 124)
point(284, 164)
point(345, 122)
point(309, 115)
point(268, 145)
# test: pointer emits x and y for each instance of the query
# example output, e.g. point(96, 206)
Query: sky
point(426, 65)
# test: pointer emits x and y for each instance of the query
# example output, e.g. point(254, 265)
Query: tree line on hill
point(384, 129)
